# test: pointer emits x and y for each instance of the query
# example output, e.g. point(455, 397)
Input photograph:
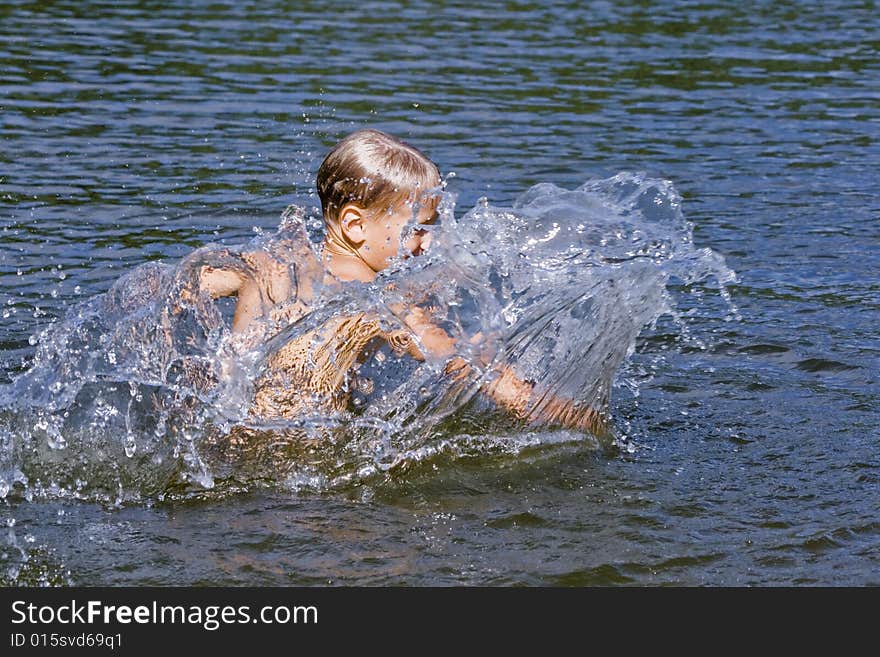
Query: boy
point(371, 185)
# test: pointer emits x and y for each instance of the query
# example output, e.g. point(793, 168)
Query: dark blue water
point(133, 132)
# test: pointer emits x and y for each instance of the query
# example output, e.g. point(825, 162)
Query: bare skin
point(359, 244)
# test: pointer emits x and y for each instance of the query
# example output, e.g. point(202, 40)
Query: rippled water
point(137, 133)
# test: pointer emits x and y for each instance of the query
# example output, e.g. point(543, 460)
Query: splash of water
point(131, 396)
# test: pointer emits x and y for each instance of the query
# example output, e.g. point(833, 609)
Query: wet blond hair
point(370, 168)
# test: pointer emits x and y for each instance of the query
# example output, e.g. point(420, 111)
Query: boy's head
point(371, 185)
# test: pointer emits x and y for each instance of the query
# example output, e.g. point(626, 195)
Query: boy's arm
point(264, 271)
point(507, 390)
point(248, 307)
point(431, 338)
point(266, 283)
point(518, 396)
point(224, 283)
point(220, 282)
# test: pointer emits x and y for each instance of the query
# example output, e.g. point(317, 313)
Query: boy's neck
point(344, 264)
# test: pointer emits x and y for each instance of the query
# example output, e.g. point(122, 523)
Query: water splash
point(135, 393)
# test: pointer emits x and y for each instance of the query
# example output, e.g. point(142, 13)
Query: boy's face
point(382, 233)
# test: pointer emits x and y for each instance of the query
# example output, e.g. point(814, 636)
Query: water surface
point(135, 133)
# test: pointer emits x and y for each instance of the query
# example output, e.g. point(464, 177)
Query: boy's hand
point(457, 369)
point(511, 392)
point(514, 394)
point(567, 413)
point(432, 338)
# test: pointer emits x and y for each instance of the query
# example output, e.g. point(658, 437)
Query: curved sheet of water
point(133, 394)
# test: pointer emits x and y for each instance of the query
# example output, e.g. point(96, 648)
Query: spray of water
point(143, 392)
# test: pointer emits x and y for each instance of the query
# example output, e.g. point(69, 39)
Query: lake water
point(749, 427)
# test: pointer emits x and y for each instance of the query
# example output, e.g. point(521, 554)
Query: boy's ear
point(351, 222)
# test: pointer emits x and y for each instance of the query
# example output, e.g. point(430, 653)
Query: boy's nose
point(419, 242)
